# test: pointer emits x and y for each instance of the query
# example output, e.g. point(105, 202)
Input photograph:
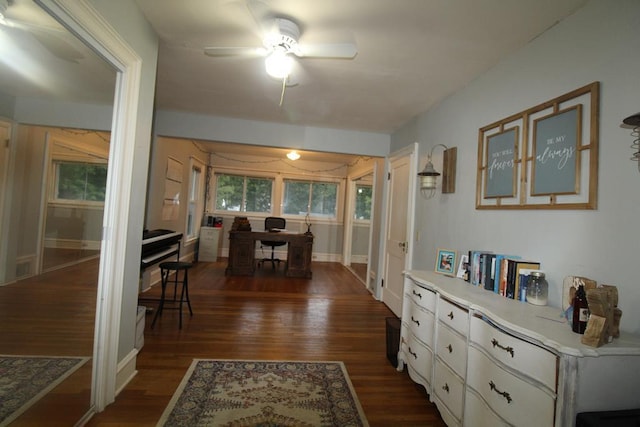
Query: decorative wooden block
point(596, 331)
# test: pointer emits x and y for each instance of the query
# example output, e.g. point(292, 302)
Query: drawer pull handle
point(417, 322)
point(501, 393)
point(449, 348)
point(418, 294)
point(450, 315)
point(507, 349)
point(445, 387)
point(415, 355)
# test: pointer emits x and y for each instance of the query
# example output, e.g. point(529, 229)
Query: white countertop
point(543, 324)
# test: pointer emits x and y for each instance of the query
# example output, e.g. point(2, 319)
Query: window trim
point(214, 199)
point(277, 194)
point(200, 166)
point(54, 183)
point(316, 218)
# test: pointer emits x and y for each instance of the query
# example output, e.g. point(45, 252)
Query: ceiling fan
point(27, 17)
point(281, 45)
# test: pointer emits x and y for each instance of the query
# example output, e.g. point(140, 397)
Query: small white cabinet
point(208, 245)
point(486, 360)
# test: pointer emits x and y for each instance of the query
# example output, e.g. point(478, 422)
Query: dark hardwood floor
point(270, 317)
point(265, 317)
point(53, 314)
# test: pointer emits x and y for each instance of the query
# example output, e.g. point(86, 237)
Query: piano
point(158, 245)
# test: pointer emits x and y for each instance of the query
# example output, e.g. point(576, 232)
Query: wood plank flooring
point(270, 317)
point(53, 314)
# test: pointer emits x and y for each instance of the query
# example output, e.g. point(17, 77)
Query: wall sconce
point(429, 175)
point(293, 155)
point(635, 145)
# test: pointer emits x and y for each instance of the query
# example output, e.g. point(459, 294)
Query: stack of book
point(503, 274)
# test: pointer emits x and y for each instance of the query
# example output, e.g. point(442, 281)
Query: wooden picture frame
point(446, 262)
point(555, 163)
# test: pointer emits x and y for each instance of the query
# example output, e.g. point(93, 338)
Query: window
point(80, 181)
point(196, 195)
point(315, 198)
point(243, 193)
point(363, 202)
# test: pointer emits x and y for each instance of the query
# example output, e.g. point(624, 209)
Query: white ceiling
point(411, 55)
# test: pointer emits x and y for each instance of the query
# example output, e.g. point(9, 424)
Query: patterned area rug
point(25, 379)
point(264, 393)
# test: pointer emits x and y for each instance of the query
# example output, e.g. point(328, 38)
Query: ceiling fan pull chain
point(284, 86)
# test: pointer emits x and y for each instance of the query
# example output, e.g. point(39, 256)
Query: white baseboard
point(93, 245)
point(126, 370)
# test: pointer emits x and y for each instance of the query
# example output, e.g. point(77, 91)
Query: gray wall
point(591, 45)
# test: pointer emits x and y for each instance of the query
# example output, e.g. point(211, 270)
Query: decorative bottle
point(580, 311)
point(537, 289)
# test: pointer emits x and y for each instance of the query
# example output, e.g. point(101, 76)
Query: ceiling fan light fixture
point(4, 4)
point(278, 64)
point(293, 155)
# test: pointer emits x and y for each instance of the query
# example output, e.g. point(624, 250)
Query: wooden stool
point(166, 268)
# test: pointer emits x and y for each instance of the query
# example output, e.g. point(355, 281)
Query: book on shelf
point(498, 283)
point(475, 266)
point(488, 267)
point(513, 275)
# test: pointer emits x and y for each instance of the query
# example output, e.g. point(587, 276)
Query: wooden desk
point(242, 246)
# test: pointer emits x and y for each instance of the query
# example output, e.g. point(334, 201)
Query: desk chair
point(272, 222)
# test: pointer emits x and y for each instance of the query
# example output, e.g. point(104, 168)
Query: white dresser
point(489, 361)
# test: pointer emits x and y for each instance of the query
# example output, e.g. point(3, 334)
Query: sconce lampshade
point(428, 180)
point(429, 175)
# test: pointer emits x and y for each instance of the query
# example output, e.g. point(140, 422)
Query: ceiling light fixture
point(293, 155)
point(4, 4)
point(279, 64)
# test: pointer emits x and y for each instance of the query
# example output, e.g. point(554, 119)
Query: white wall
point(594, 44)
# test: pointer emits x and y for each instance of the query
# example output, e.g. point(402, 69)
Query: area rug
point(233, 393)
point(25, 379)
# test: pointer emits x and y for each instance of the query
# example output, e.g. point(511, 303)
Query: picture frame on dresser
point(446, 262)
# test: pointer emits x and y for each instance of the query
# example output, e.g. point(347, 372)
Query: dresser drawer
point(531, 360)
point(421, 323)
point(453, 316)
point(421, 296)
point(418, 356)
point(478, 414)
point(516, 400)
point(452, 349)
point(449, 388)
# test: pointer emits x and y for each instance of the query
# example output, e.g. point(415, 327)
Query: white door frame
point(412, 152)
point(82, 19)
point(348, 222)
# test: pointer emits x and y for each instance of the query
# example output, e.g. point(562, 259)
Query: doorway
point(358, 225)
point(402, 167)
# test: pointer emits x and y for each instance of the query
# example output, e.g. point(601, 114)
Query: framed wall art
point(545, 157)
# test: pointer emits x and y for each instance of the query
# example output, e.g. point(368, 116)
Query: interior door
point(399, 227)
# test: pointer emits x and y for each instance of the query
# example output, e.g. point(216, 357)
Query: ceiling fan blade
point(235, 51)
point(335, 50)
